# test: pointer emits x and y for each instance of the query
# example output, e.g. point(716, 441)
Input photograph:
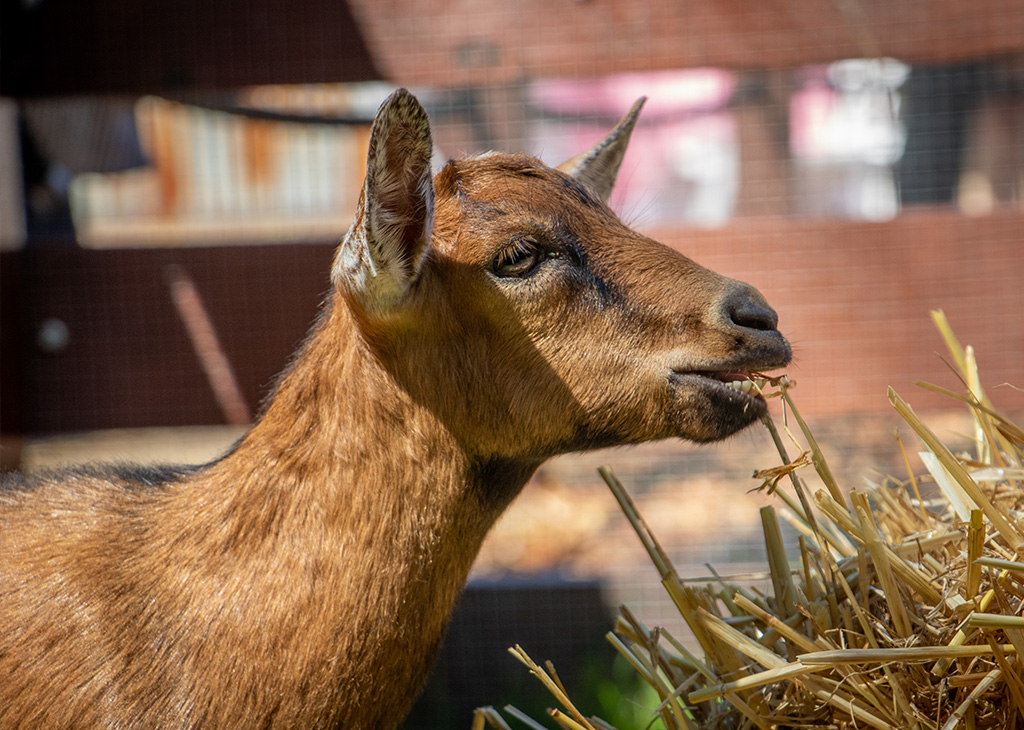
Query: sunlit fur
point(305, 579)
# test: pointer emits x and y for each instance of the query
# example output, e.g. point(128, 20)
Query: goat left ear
point(381, 255)
point(598, 167)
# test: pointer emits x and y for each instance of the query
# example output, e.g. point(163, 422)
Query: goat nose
point(746, 308)
point(754, 316)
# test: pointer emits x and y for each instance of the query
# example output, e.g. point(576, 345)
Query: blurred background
point(174, 176)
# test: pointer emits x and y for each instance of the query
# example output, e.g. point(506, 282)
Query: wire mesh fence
point(860, 168)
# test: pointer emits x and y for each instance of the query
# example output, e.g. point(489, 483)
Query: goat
point(480, 322)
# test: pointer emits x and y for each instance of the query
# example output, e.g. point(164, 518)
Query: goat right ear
point(598, 167)
point(381, 255)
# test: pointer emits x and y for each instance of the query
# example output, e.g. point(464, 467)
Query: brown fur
point(305, 579)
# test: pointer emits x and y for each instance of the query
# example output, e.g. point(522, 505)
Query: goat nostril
point(754, 316)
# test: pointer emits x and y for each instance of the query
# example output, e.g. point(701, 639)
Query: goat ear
point(381, 255)
point(598, 167)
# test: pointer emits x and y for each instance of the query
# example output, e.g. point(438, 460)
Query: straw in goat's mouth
point(748, 383)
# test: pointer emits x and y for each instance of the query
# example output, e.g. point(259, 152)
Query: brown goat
point(480, 322)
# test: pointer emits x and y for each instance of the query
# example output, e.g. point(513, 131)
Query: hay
point(894, 612)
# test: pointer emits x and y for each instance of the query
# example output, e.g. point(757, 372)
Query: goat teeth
point(747, 386)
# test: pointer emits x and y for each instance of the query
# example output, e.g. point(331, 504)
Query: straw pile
point(895, 611)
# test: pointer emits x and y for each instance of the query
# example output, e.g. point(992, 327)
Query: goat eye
point(519, 258)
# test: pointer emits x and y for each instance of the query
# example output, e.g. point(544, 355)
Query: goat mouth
point(714, 404)
point(737, 386)
point(747, 383)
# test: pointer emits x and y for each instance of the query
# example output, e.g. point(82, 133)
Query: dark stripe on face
point(580, 193)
